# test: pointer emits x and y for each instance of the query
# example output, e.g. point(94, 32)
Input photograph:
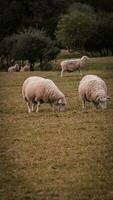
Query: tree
point(102, 39)
point(16, 14)
point(76, 27)
point(32, 45)
point(6, 46)
point(100, 5)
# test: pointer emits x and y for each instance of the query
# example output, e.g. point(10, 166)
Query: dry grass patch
point(51, 155)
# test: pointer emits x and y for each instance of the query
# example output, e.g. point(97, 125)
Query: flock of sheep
point(17, 68)
point(37, 90)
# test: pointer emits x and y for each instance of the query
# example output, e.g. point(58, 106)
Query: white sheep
point(25, 68)
point(37, 90)
point(14, 68)
point(74, 64)
point(93, 89)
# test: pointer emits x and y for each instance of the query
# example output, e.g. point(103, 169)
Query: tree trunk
point(32, 67)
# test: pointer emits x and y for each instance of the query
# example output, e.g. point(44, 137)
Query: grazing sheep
point(72, 65)
point(93, 89)
point(37, 90)
point(25, 68)
point(14, 68)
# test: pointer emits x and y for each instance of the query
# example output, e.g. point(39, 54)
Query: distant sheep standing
point(72, 65)
point(37, 90)
point(25, 68)
point(14, 68)
point(93, 89)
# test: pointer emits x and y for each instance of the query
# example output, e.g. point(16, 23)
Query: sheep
point(93, 89)
point(72, 65)
point(14, 68)
point(37, 90)
point(25, 68)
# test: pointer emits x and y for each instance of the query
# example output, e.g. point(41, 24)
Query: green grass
point(56, 156)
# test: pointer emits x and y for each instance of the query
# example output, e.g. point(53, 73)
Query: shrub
point(32, 45)
point(75, 28)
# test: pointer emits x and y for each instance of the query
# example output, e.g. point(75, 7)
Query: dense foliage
point(76, 27)
point(16, 14)
point(102, 39)
point(82, 28)
point(75, 24)
point(31, 44)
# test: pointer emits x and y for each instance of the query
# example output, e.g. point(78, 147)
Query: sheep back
point(92, 86)
point(70, 65)
point(41, 89)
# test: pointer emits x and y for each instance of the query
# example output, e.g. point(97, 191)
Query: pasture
point(56, 156)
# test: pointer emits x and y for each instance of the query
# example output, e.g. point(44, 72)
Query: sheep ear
point(60, 101)
point(108, 98)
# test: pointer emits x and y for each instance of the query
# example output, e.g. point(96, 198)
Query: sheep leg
point(95, 105)
point(33, 107)
point(38, 105)
point(29, 107)
point(83, 103)
point(53, 109)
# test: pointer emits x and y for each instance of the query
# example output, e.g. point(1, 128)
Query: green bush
point(75, 28)
point(102, 39)
point(32, 45)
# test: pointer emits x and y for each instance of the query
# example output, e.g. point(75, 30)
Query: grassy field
point(56, 156)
